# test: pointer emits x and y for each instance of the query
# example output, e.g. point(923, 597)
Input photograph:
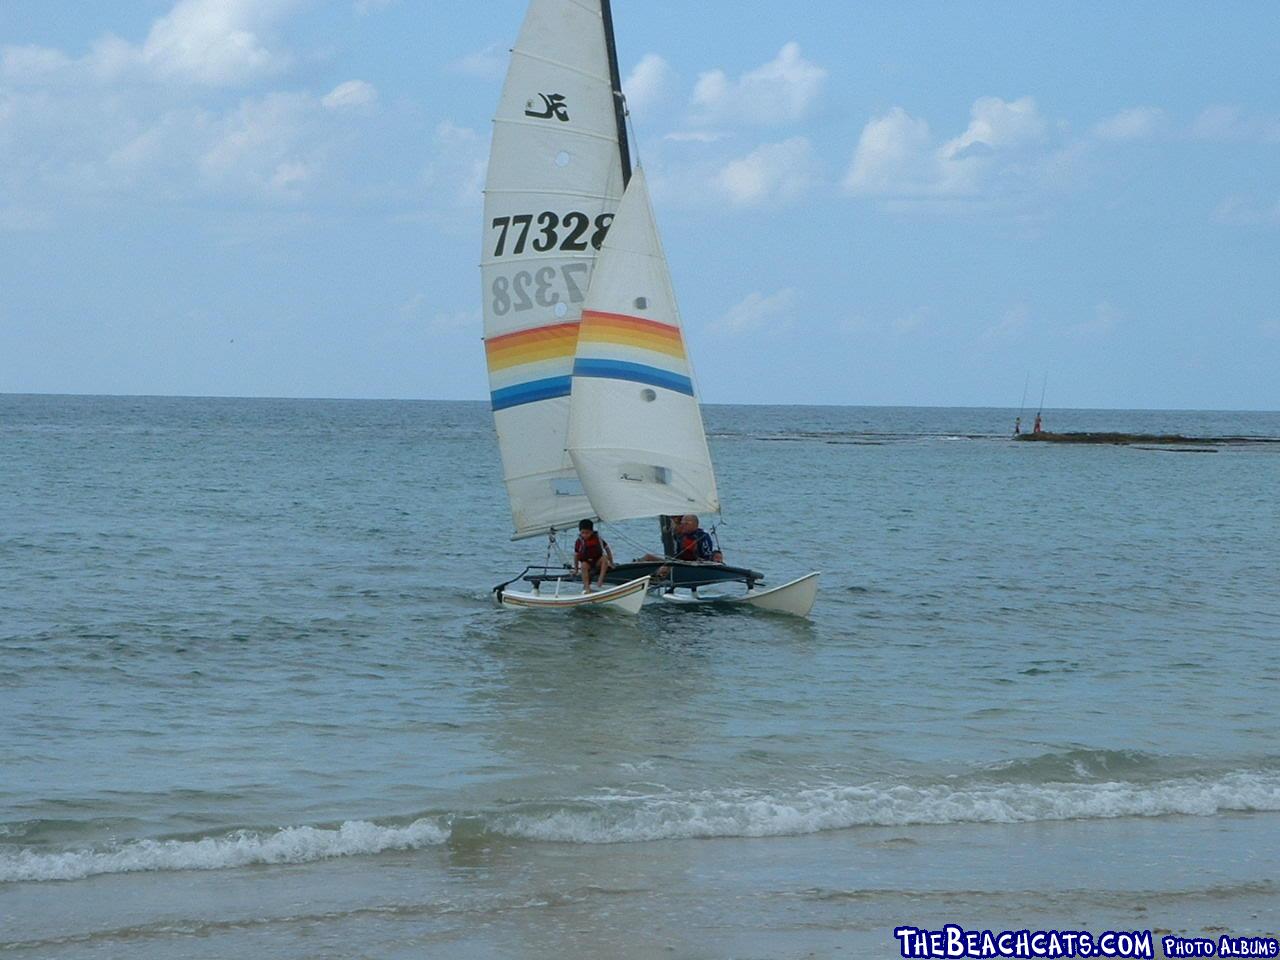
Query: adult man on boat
point(591, 555)
point(694, 543)
point(691, 542)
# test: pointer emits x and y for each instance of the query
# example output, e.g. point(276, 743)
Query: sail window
point(562, 159)
point(562, 309)
point(567, 487)
point(644, 473)
point(648, 396)
point(642, 303)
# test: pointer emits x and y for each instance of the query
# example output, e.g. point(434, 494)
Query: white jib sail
point(635, 430)
point(554, 182)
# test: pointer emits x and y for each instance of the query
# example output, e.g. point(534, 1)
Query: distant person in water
point(1017, 427)
point(1037, 428)
point(591, 556)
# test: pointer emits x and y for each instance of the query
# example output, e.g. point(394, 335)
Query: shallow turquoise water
point(251, 683)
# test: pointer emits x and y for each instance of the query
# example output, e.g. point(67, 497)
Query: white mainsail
point(635, 430)
point(555, 179)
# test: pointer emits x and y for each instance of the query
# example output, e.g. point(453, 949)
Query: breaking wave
point(240, 849)
point(635, 818)
point(748, 814)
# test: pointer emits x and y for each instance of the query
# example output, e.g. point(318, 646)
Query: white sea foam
point(240, 849)
point(679, 815)
point(751, 814)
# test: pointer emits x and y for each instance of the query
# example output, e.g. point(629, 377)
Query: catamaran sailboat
point(592, 390)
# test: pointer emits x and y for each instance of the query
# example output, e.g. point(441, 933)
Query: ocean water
point(255, 700)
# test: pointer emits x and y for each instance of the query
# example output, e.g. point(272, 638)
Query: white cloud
point(780, 91)
point(111, 59)
point(1136, 123)
point(150, 120)
point(202, 42)
point(1002, 145)
point(215, 42)
point(457, 320)
point(1226, 124)
point(758, 312)
point(1012, 325)
point(351, 95)
point(904, 325)
point(20, 220)
point(997, 124)
point(149, 150)
point(650, 83)
point(32, 64)
point(894, 155)
point(1106, 319)
point(291, 173)
point(695, 136)
point(267, 145)
point(141, 147)
point(487, 64)
point(1244, 212)
point(910, 323)
point(414, 314)
point(772, 172)
point(455, 178)
point(412, 308)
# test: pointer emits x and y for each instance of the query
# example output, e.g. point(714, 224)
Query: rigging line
point(629, 541)
point(1025, 385)
point(1044, 388)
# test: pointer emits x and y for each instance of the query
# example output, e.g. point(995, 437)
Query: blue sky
point(872, 203)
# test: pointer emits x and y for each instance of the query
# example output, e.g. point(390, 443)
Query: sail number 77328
point(570, 233)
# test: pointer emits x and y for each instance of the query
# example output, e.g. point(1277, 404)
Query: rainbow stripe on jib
point(615, 346)
point(538, 364)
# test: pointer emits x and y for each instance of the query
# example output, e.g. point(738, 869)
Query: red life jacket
point(588, 549)
point(695, 546)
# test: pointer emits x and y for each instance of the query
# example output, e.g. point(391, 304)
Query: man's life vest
point(695, 546)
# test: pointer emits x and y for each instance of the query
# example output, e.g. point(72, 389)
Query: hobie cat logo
point(553, 105)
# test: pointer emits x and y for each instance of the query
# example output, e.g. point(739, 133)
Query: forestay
point(636, 436)
point(554, 182)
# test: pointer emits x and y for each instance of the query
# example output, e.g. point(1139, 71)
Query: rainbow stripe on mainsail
point(613, 346)
point(531, 365)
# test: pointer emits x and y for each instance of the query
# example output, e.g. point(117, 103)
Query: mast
point(619, 102)
point(558, 96)
point(665, 523)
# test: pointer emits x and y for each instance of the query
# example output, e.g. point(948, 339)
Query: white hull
point(795, 598)
point(626, 598)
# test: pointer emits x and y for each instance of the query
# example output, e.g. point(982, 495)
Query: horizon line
point(486, 401)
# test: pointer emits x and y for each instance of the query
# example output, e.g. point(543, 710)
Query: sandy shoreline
point(830, 894)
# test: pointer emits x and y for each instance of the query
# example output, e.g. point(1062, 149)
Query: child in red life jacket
point(591, 555)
